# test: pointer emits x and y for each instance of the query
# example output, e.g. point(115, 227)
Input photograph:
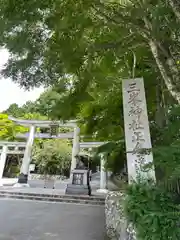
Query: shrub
point(153, 212)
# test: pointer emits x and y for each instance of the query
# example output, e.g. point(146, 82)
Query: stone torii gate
point(103, 175)
point(9, 148)
point(32, 124)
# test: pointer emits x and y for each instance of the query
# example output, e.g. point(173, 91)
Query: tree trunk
point(160, 108)
point(175, 8)
point(163, 70)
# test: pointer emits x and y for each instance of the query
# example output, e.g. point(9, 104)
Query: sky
point(11, 92)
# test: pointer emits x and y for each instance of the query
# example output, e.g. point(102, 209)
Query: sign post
point(137, 133)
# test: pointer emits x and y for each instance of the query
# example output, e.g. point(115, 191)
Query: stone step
point(55, 195)
point(56, 198)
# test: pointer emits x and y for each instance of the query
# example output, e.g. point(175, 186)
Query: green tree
point(115, 156)
point(91, 40)
point(87, 55)
point(90, 47)
point(34, 116)
point(19, 112)
point(9, 129)
point(46, 102)
point(14, 110)
point(53, 157)
point(28, 107)
point(98, 51)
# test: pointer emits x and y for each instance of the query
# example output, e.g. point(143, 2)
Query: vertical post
point(137, 133)
point(23, 177)
point(3, 161)
point(76, 148)
point(103, 176)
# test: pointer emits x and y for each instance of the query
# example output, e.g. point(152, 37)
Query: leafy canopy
point(93, 40)
point(52, 156)
point(9, 129)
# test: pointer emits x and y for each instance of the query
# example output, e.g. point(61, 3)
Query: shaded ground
point(30, 220)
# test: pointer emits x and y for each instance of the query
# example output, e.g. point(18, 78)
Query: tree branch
point(114, 45)
point(134, 65)
point(105, 15)
point(168, 81)
point(100, 8)
point(175, 9)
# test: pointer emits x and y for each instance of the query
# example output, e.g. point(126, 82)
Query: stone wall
point(116, 223)
point(42, 177)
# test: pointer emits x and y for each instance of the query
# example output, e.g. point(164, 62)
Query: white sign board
point(137, 132)
point(32, 167)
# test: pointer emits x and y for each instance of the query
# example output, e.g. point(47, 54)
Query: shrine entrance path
point(31, 220)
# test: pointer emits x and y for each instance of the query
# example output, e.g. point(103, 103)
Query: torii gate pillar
point(76, 148)
point(3, 162)
point(103, 176)
point(23, 177)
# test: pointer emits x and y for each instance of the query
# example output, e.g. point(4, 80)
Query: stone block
point(78, 189)
point(117, 226)
point(79, 183)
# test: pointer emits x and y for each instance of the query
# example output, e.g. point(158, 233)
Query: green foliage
point(169, 132)
point(34, 116)
point(167, 158)
point(86, 55)
point(14, 110)
point(52, 157)
point(94, 41)
point(28, 111)
point(92, 46)
point(28, 107)
point(86, 49)
point(153, 212)
point(153, 209)
point(46, 102)
point(9, 129)
point(114, 153)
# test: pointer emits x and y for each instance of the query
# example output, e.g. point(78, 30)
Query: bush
point(115, 156)
point(153, 212)
point(53, 157)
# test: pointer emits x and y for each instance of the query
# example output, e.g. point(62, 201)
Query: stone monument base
point(102, 191)
point(78, 189)
point(79, 182)
point(8, 182)
point(117, 224)
point(20, 185)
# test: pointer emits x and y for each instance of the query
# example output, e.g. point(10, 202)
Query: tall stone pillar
point(137, 133)
point(23, 177)
point(76, 148)
point(3, 162)
point(103, 176)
